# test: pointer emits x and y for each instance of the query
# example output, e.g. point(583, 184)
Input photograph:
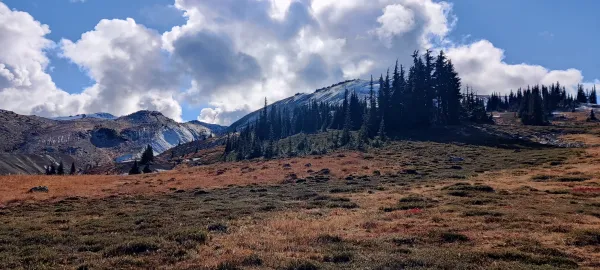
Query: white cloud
point(237, 52)
point(395, 21)
point(481, 65)
point(25, 87)
point(241, 51)
point(125, 60)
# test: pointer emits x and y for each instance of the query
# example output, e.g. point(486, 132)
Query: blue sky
point(559, 36)
point(554, 34)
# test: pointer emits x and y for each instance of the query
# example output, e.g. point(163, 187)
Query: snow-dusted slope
point(106, 116)
point(157, 130)
point(333, 94)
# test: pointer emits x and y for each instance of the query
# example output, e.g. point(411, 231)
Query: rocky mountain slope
point(29, 143)
point(332, 94)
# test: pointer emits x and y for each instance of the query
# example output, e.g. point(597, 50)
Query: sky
point(216, 60)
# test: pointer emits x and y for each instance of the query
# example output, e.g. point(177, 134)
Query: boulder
point(38, 189)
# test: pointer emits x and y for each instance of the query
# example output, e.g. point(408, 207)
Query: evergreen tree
point(52, 170)
point(346, 136)
point(363, 133)
point(61, 168)
point(381, 134)
point(135, 169)
point(147, 155)
point(581, 96)
point(73, 171)
point(592, 116)
point(269, 150)
point(147, 169)
point(593, 96)
point(373, 123)
point(453, 95)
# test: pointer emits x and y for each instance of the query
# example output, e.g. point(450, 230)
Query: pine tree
point(73, 171)
point(453, 95)
point(381, 134)
point(346, 136)
point(581, 96)
point(147, 155)
point(593, 96)
point(135, 169)
point(363, 133)
point(269, 150)
point(592, 116)
point(373, 123)
point(52, 169)
point(61, 168)
point(147, 169)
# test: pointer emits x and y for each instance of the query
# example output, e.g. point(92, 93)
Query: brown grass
point(14, 188)
point(513, 210)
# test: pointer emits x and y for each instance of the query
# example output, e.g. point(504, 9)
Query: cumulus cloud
point(231, 54)
point(25, 87)
point(125, 60)
point(239, 52)
point(481, 66)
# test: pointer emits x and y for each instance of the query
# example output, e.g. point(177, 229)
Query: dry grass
point(498, 208)
point(14, 188)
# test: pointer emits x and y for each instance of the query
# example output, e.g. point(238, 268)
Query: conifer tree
point(61, 168)
point(147, 155)
point(346, 136)
point(593, 98)
point(453, 95)
point(373, 124)
point(135, 169)
point(52, 170)
point(73, 171)
point(581, 96)
point(269, 150)
point(147, 169)
point(381, 134)
point(592, 116)
point(363, 133)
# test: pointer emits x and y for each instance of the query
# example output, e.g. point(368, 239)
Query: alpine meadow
point(187, 134)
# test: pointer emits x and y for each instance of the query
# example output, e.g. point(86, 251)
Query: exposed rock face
point(28, 143)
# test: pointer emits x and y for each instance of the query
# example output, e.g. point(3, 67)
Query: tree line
point(426, 94)
point(536, 103)
point(60, 169)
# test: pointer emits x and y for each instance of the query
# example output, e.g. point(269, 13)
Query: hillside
point(29, 142)
point(333, 94)
point(485, 197)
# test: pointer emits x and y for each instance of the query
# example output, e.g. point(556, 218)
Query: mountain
point(216, 129)
point(333, 94)
point(80, 116)
point(29, 143)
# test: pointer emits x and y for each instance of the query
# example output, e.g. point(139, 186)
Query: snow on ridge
point(106, 116)
point(333, 95)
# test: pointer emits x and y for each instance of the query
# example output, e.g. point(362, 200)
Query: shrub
point(301, 265)
point(451, 237)
point(189, 237)
point(585, 238)
point(342, 257)
point(132, 248)
point(252, 260)
point(328, 239)
point(217, 227)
